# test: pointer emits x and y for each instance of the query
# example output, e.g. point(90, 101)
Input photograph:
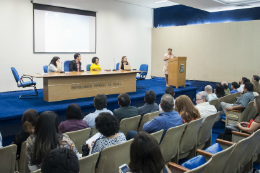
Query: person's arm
point(94, 69)
point(150, 126)
point(120, 64)
point(254, 126)
point(238, 107)
point(58, 66)
point(166, 58)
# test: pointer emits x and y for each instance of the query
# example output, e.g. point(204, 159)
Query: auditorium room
point(130, 86)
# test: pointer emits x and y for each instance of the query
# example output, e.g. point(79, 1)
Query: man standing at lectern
point(167, 56)
point(75, 65)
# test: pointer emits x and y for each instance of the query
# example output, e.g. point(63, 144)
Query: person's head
point(74, 112)
point(243, 80)
point(202, 97)
point(77, 56)
point(219, 90)
point(95, 60)
point(100, 101)
point(255, 78)
point(169, 90)
point(225, 85)
point(257, 103)
point(29, 120)
point(124, 59)
point(208, 89)
point(184, 106)
point(145, 154)
point(248, 87)
point(124, 100)
point(47, 136)
point(169, 51)
point(234, 85)
point(167, 103)
point(150, 97)
point(60, 160)
point(107, 124)
point(54, 60)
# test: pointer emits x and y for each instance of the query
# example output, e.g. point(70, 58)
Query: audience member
point(29, 120)
point(241, 103)
point(108, 126)
point(167, 119)
point(146, 156)
point(219, 90)
point(242, 84)
point(205, 109)
point(100, 103)
point(234, 87)
point(226, 89)
point(186, 109)
point(60, 160)
point(74, 120)
point(255, 82)
point(149, 105)
point(212, 96)
point(45, 138)
point(125, 110)
point(169, 90)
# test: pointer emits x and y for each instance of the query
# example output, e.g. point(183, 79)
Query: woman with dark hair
point(45, 138)
point(54, 65)
point(95, 64)
point(123, 63)
point(74, 120)
point(29, 119)
point(108, 126)
point(146, 156)
point(219, 90)
point(234, 87)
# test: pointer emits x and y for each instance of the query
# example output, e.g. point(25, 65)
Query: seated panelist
point(123, 63)
point(95, 66)
point(75, 65)
point(54, 65)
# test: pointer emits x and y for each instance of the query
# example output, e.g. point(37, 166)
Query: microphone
point(114, 66)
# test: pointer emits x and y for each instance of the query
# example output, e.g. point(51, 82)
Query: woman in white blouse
point(167, 56)
point(54, 65)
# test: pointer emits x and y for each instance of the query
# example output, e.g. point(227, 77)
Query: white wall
point(122, 29)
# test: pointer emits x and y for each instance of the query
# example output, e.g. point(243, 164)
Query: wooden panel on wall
point(215, 52)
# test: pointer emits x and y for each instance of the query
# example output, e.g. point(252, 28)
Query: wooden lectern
point(177, 71)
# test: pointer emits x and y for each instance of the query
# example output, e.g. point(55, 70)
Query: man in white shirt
point(242, 84)
point(211, 96)
point(203, 105)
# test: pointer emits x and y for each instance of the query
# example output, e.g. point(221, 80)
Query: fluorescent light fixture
point(160, 1)
point(235, 2)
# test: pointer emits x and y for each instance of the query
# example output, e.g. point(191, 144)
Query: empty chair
point(67, 66)
point(189, 140)
point(23, 162)
point(88, 67)
point(37, 171)
point(88, 164)
point(215, 103)
point(146, 118)
point(228, 99)
point(205, 132)
point(117, 66)
point(170, 143)
point(8, 158)
point(45, 69)
point(143, 73)
point(114, 156)
point(157, 135)
point(79, 137)
point(128, 124)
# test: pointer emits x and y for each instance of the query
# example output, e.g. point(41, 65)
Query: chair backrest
point(214, 103)
point(23, 162)
point(128, 124)
point(170, 143)
point(228, 99)
point(117, 66)
point(158, 135)
point(16, 75)
point(249, 112)
point(66, 66)
point(114, 156)
point(37, 171)
point(201, 169)
point(238, 94)
point(88, 67)
point(205, 130)
point(189, 138)
point(146, 118)
point(45, 69)
point(94, 131)
point(8, 158)
point(144, 69)
point(257, 150)
point(79, 137)
point(88, 164)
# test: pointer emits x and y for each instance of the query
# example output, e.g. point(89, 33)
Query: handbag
point(85, 150)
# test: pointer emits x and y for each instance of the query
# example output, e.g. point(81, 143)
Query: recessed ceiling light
point(233, 2)
point(160, 1)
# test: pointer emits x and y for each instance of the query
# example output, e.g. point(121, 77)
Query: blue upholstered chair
point(88, 67)
point(23, 84)
point(45, 69)
point(143, 74)
point(117, 66)
point(66, 66)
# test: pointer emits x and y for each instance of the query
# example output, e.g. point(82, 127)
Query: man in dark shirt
point(149, 105)
point(255, 82)
point(75, 65)
point(125, 110)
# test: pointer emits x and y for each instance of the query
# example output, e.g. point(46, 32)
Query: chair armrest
point(178, 167)
point(204, 153)
point(240, 134)
point(224, 142)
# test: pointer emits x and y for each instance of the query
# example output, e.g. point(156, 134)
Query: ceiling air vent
point(237, 2)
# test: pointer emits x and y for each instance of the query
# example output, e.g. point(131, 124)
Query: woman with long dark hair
point(219, 90)
point(54, 65)
point(45, 138)
point(123, 63)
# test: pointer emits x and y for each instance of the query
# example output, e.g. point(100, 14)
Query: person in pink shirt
point(75, 65)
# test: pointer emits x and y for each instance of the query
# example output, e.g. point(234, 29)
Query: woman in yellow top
point(95, 66)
